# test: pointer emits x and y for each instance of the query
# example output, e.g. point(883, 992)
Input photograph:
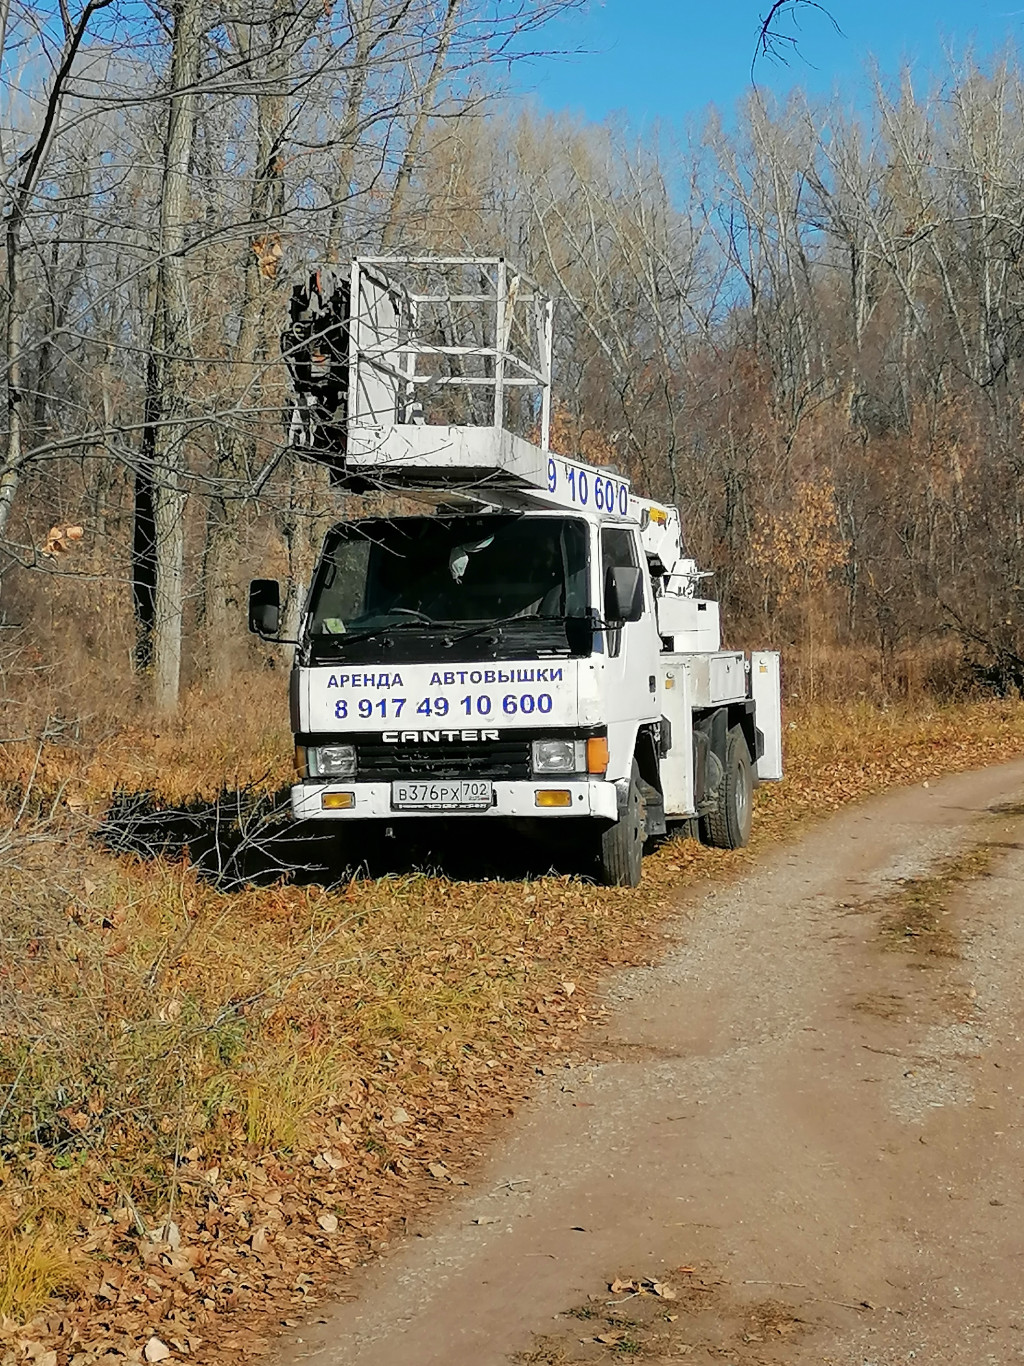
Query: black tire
point(728, 825)
point(621, 850)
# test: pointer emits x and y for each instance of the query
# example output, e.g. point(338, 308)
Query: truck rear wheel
point(728, 825)
point(621, 851)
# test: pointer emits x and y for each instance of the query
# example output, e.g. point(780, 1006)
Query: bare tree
point(21, 198)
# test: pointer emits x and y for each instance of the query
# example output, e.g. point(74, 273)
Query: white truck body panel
point(358, 698)
point(689, 625)
point(677, 764)
point(482, 702)
point(717, 679)
point(499, 467)
point(766, 690)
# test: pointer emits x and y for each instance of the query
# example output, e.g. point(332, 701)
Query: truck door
point(631, 651)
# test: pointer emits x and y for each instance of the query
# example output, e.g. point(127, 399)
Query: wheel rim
point(742, 798)
point(636, 844)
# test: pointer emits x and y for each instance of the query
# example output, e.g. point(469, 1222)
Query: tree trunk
point(10, 476)
point(372, 23)
point(163, 463)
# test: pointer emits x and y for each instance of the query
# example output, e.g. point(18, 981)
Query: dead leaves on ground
point(267, 1235)
point(642, 1285)
point(444, 999)
point(249, 1246)
point(705, 1317)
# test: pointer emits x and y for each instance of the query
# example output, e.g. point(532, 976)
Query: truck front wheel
point(728, 825)
point(621, 851)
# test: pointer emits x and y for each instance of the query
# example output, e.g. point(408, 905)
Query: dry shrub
point(237, 738)
point(931, 673)
point(68, 646)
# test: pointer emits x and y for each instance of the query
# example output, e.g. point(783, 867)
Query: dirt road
point(806, 1123)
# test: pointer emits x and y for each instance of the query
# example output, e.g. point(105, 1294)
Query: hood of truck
point(526, 693)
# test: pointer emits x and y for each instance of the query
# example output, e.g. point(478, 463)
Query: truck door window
point(618, 551)
point(341, 591)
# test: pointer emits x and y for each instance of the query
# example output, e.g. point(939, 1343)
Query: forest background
point(804, 323)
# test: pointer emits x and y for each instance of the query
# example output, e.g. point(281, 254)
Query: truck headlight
point(331, 761)
point(559, 756)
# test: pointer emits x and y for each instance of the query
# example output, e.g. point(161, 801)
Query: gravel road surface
point(804, 1126)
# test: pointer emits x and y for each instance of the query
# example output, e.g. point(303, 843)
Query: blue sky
point(668, 59)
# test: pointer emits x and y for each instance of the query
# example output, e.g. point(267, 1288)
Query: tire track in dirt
point(823, 1125)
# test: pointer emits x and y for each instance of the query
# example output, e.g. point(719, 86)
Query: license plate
point(462, 795)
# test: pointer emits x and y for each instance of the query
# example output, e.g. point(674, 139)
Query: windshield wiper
point(369, 634)
point(561, 619)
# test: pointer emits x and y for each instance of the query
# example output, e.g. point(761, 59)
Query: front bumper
point(591, 797)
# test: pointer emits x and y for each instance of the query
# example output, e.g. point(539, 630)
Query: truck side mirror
point(264, 607)
point(623, 594)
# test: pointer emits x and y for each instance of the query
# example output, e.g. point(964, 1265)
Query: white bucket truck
point(529, 648)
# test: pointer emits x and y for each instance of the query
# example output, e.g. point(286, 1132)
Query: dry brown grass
point(34, 1266)
point(155, 1030)
point(828, 673)
point(217, 740)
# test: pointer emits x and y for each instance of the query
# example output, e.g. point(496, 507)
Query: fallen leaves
point(419, 1016)
point(328, 1160)
point(60, 539)
point(642, 1285)
point(38, 1353)
point(440, 1172)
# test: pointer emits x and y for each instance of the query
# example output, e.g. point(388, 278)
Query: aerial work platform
point(432, 375)
point(438, 370)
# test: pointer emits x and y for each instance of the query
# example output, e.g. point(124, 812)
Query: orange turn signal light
point(338, 801)
point(553, 797)
point(597, 754)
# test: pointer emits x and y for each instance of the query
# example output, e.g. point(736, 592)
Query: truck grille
point(377, 762)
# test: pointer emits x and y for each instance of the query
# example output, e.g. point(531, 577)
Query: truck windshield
point(381, 575)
